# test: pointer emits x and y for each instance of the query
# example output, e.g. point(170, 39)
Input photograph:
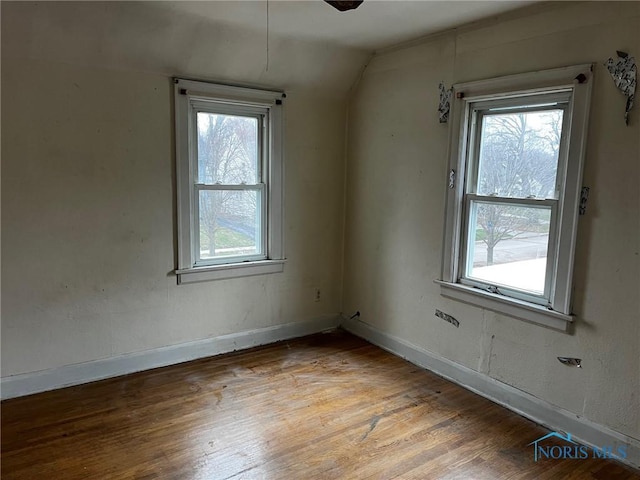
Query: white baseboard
point(28, 383)
point(523, 403)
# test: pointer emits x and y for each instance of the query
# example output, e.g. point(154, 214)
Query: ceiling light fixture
point(343, 6)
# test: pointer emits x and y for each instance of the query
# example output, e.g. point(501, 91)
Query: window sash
point(249, 111)
point(525, 104)
point(262, 116)
point(465, 259)
point(477, 110)
point(262, 230)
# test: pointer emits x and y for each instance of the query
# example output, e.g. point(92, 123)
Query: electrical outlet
point(317, 295)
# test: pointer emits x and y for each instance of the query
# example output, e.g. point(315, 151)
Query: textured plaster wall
point(88, 182)
point(396, 180)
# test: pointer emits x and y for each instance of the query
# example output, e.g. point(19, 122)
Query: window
point(229, 176)
point(514, 190)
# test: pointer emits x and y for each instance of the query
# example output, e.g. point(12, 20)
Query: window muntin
point(511, 195)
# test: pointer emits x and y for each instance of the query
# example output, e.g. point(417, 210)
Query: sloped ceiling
point(283, 44)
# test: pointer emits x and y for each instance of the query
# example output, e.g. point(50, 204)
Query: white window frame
point(190, 98)
point(572, 85)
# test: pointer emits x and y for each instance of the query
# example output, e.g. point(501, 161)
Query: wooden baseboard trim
point(35, 382)
point(519, 401)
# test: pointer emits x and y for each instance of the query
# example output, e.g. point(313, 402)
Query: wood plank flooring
point(328, 406)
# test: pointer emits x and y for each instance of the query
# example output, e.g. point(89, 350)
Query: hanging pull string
point(267, 68)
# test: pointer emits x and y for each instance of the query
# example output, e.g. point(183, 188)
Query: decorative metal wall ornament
point(343, 6)
point(445, 103)
point(447, 318)
point(571, 361)
point(584, 196)
point(624, 70)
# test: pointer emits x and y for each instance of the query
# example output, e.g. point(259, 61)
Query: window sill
point(231, 270)
point(528, 312)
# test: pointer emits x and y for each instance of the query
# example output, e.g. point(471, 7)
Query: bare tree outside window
point(228, 156)
point(518, 159)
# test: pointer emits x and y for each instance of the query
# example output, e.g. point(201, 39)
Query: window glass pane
point(519, 154)
point(508, 245)
point(229, 223)
point(227, 149)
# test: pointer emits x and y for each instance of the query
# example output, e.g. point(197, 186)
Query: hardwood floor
point(327, 406)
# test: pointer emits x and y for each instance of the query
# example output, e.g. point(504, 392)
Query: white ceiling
point(311, 46)
point(373, 25)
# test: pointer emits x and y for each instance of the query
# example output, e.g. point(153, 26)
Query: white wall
point(88, 183)
point(396, 180)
